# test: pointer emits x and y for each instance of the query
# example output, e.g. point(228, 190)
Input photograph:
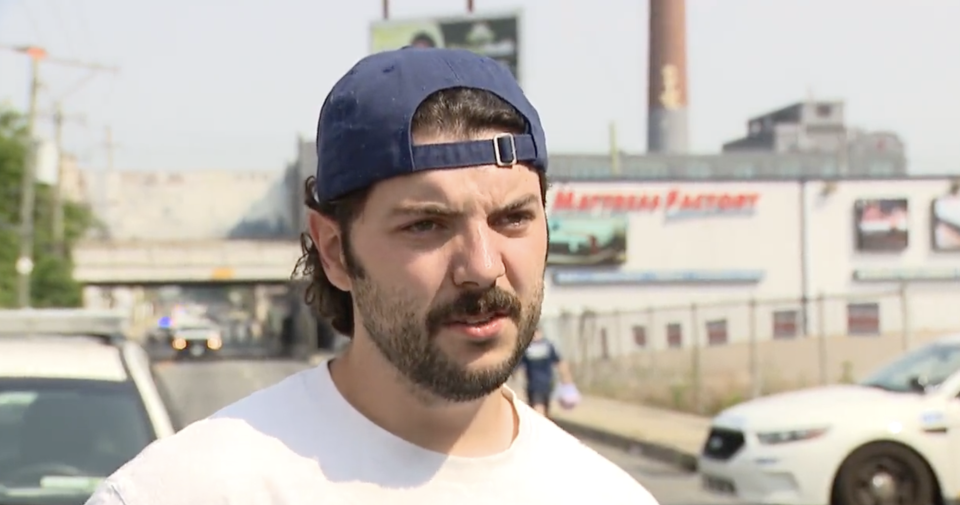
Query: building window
point(745, 172)
point(674, 335)
point(786, 324)
point(881, 169)
point(699, 170)
point(640, 336)
point(717, 332)
point(829, 169)
point(824, 111)
point(791, 169)
point(863, 319)
point(645, 168)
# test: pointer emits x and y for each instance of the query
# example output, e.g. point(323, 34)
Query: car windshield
point(61, 437)
point(196, 329)
point(927, 366)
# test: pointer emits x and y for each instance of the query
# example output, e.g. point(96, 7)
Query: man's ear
point(327, 237)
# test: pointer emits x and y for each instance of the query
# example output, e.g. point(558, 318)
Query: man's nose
point(478, 260)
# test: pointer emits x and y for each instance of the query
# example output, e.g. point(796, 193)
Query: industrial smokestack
point(667, 95)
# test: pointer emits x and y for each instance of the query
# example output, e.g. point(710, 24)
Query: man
point(427, 246)
point(539, 361)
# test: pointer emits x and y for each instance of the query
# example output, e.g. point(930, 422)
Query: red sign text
point(672, 201)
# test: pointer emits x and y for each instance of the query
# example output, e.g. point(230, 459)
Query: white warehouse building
point(883, 254)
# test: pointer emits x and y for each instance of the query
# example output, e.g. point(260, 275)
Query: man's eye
point(422, 227)
point(516, 219)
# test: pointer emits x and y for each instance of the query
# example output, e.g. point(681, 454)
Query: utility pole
point(103, 196)
point(28, 195)
point(28, 187)
point(56, 203)
point(110, 146)
point(469, 6)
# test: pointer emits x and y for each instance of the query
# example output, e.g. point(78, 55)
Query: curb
point(653, 450)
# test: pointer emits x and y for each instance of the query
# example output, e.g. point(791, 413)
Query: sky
point(231, 84)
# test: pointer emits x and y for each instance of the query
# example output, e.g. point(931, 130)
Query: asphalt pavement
point(197, 389)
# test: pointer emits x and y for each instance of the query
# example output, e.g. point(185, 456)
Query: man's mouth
point(479, 326)
point(477, 319)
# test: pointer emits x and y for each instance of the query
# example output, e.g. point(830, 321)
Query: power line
point(28, 195)
point(41, 54)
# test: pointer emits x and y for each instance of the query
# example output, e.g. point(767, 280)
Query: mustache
point(473, 303)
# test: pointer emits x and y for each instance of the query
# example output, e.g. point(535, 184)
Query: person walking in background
point(542, 363)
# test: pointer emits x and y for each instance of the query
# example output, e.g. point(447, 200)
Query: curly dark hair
point(460, 111)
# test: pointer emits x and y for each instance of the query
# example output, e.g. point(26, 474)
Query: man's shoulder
point(292, 393)
point(256, 436)
point(572, 463)
point(255, 422)
point(196, 463)
point(226, 442)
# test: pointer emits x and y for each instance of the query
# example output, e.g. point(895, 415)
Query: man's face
point(450, 274)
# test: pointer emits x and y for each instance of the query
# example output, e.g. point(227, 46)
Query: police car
point(892, 438)
point(192, 338)
point(77, 400)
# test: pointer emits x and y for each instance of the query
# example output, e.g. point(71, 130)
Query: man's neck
point(376, 389)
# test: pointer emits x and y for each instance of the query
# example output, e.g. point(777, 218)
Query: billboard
point(587, 241)
point(945, 223)
point(881, 224)
point(492, 35)
point(602, 234)
point(590, 228)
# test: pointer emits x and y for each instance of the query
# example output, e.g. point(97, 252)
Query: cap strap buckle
point(504, 142)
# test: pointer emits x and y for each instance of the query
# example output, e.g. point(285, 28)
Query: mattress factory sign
point(673, 203)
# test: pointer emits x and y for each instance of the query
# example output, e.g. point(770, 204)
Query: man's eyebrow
point(424, 210)
point(440, 210)
point(518, 204)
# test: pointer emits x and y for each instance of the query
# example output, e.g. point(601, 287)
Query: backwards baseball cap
point(364, 134)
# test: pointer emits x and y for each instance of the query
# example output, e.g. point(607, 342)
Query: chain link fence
point(702, 358)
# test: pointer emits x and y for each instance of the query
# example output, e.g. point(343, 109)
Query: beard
point(408, 341)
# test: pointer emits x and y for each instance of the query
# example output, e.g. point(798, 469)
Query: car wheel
point(883, 473)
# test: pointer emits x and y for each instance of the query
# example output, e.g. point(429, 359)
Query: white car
point(77, 401)
point(200, 340)
point(892, 438)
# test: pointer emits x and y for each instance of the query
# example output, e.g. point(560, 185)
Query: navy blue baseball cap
point(364, 134)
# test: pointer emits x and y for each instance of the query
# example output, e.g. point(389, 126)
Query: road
point(198, 389)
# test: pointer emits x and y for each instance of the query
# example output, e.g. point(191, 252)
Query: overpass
point(141, 264)
point(184, 262)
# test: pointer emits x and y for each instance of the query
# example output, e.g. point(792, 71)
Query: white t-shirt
point(300, 443)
